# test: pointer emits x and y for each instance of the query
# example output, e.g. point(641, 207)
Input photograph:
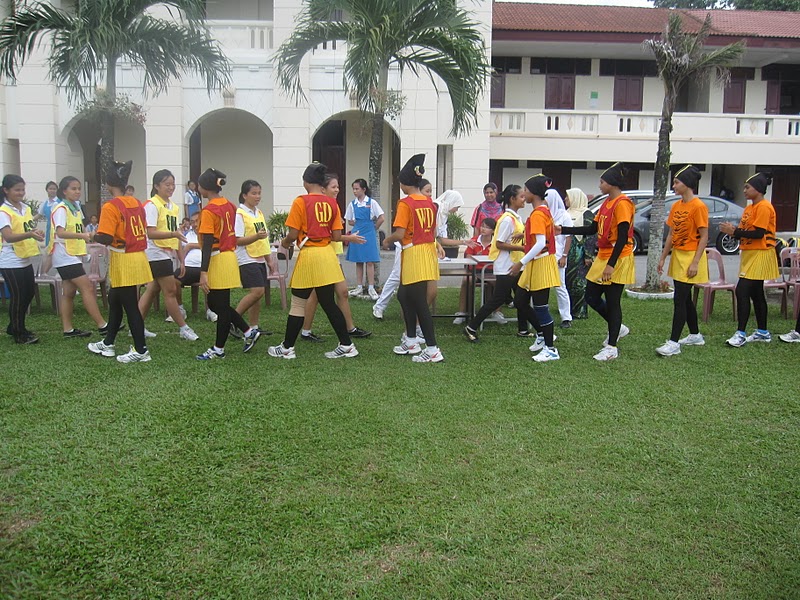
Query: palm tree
point(681, 56)
point(86, 44)
point(435, 37)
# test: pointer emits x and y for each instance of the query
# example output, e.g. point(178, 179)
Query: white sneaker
point(538, 344)
point(460, 318)
point(132, 356)
point(607, 353)
point(737, 340)
point(101, 349)
point(790, 337)
point(427, 356)
point(183, 310)
point(623, 331)
point(210, 354)
point(407, 348)
point(498, 317)
point(281, 352)
point(147, 333)
point(546, 355)
point(419, 332)
point(757, 336)
point(693, 339)
point(373, 294)
point(356, 291)
point(188, 333)
point(343, 352)
point(669, 348)
point(377, 313)
point(211, 315)
point(169, 319)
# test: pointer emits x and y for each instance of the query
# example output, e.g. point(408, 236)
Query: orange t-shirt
point(111, 221)
point(297, 220)
point(622, 213)
point(211, 223)
point(541, 223)
point(685, 219)
point(758, 215)
point(405, 220)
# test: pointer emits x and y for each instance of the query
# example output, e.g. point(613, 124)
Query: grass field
point(485, 476)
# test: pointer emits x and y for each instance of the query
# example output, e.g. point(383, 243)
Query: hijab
point(446, 202)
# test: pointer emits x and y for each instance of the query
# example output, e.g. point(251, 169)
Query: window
point(561, 66)
point(507, 64)
point(638, 68)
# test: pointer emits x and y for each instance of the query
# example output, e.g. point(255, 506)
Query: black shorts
point(254, 275)
point(161, 268)
point(191, 276)
point(71, 271)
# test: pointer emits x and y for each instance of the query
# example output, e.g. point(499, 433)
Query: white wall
point(239, 9)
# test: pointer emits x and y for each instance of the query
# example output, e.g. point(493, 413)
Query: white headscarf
point(448, 201)
point(578, 204)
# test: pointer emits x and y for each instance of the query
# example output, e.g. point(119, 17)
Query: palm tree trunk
point(660, 186)
point(376, 154)
point(107, 128)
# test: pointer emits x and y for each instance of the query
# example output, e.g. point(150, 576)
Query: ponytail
point(508, 193)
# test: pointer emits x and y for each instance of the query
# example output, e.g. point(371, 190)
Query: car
point(719, 211)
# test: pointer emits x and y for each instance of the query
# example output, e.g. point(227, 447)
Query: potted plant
point(276, 226)
point(456, 230)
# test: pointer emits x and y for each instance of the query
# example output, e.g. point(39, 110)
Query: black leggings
point(684, 311)
point(610, 308)
point(747, 290)
point(503, 287)
point(327, 300)
point(22, 287)
point(219, 301)
point(125, 299)
point(414, 301)
point(541, 298)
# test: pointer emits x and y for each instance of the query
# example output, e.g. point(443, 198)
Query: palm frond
point(21, 33)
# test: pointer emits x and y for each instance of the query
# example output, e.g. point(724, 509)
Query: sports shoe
point(607, 353)
point(169, 319)
point(460, 318)
point(526, 334)
point(566, 324)
point(132, 356)
point(343, 352)
point(377, 313)
point(251, 339)
point(77, 333)
point(210, 354)
point(790, 337)
point(407, 348)
point(737, 340)
point(538, 344)
point(426, 356)
point(310, 337)
point(356, 291)
point(236, 332)
point(669, 348)
point(546, 355)
point(497, 317)
point(471, 334)
point(693, 339)
point(373, 294)
point(280, 352)
point(27, 338)
point(187, 333)
point(147, 333)
point(418, 331)
point(759, 336)
point(211, 315)
point(623, 331)
point(357, 332)
point(101, 349)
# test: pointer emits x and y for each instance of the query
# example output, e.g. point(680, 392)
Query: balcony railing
point(627, 125)
point(246, 36)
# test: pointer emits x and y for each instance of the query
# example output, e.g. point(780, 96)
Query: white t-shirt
point(375, 209)
point(560, 217)
point(505, 231)
point(153, 252)
point(60, 256)
point(9, 258)
point(238, 229)
point(193, 258)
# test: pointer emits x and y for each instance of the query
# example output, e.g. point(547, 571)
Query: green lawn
point(485, 476)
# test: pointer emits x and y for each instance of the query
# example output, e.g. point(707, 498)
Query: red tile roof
point(521, 16)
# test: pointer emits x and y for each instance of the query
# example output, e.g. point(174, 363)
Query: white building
point(573, 92)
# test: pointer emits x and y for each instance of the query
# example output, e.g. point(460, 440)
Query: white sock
point(219, 350)
point(249, 330)
point(372, 287)
point(306, 332)
point(104, 325)
point(433, 349)
point(184, 328)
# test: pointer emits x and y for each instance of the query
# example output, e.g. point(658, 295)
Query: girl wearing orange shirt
point(687, 238)
point(614, 267)
point(756, 235)
point(219, 268)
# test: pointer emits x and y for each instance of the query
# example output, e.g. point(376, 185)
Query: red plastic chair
point(780, 284)
point(281, 276)
point(714, 285)
point(793, 280)
point(98, 269)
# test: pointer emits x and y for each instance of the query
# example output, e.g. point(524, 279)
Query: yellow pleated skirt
point(624, 273)
point(125, 269)
point(223, 271)
point(540, 274)
point(338, 247)
point(679, 263)
point(761, 265)
point(316, 266)
point(419, 263)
